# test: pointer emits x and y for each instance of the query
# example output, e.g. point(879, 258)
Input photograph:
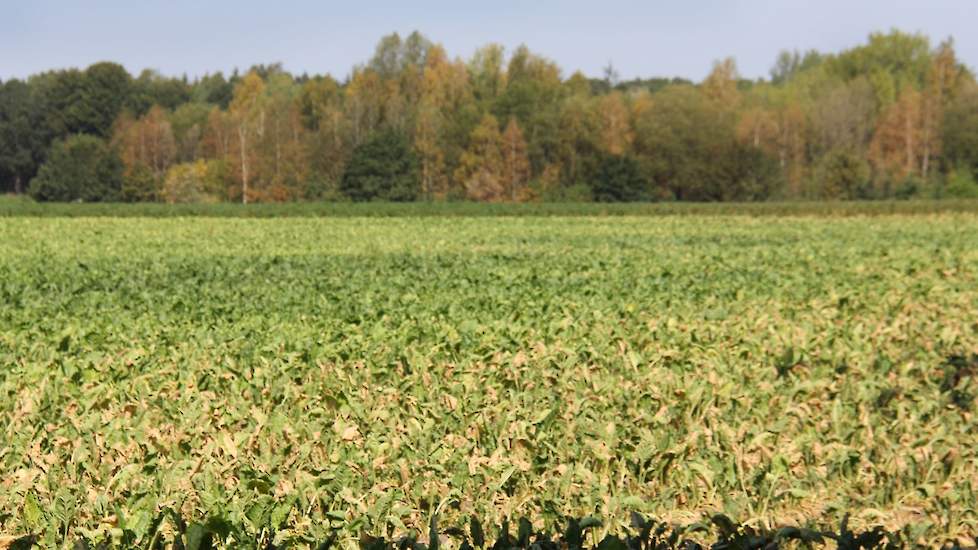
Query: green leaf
point(199, 537)
point(32, 512)
point(478, 535)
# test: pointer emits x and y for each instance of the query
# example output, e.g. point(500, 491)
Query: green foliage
point(214, 89)
point(894, 59)
point(754, 175)
point(790, 64)
point(21, 144)
point(532, 96)
point(572, 204)
point(81, 168)
point(961, 184)
point(104, 90)
point(152, 88)
point(57, 94)
point(644, 534)
point(140, 185)
point(842, 174)
point(574, 193)
point(910, 187)
point(906, 108)
point(189, 122)
point(383, 168)
point(960, 137)
point(195, 182)
point(690, 152)
point(393, 55)
point(619, 179)
point(280, 381)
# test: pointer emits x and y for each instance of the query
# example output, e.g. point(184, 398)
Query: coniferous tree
point(619, 179)
point(383, 168)
point(80, 168)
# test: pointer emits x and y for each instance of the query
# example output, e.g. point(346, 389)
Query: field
point(298, 376)
point(14, 206)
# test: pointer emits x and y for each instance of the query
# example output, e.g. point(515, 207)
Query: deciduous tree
point(896, 149)
point(616, 126)
point(516, 164)
point(247, 111)
point(481, 169)
point(145, 142)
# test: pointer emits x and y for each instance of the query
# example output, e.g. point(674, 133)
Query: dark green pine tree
point(81, 168)
point(619, 179)
point(383, 168)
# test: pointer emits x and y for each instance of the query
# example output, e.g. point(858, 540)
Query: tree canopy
point(511, 126)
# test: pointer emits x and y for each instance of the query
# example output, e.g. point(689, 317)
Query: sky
point(640, 38)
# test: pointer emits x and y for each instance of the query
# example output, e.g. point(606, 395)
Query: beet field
point(287, 381)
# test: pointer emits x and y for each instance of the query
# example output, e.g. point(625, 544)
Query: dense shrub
point(80, 168)
point(383, 168)
point(201, 181)
point(960, 140)
point(619, 179)
point(140, 184)
point(576, 193)
point(843, 175)
point(961, 185)
point(753, 175)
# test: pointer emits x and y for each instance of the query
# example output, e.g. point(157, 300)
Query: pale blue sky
point(641, 38)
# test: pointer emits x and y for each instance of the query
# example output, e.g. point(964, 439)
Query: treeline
point(894, 118)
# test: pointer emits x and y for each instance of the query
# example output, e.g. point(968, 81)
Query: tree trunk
point(142, 145)
point(18, 188)
point(512, 170)
point(909, 143)
point(244, 165)
point(277, 134)
point(925, 161)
